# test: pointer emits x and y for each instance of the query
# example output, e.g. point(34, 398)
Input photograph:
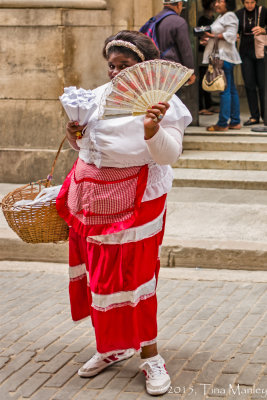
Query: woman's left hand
point(258, 30)
point(208, 35)
point(153, 117)
point(204, 41)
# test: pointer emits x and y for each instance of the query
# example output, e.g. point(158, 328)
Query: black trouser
point(253, 75)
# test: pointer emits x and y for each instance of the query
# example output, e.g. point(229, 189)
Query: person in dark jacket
point(205, 100)
point(252, 67)
point(173, 37)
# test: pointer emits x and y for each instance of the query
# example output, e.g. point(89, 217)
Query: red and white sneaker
point(157, 378)
point(100, 361)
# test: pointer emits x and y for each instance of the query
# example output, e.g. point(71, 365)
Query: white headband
point(129, 45)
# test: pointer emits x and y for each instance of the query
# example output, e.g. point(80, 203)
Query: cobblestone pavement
point(212, 335)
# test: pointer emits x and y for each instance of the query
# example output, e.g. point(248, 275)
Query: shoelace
point(156, 369)
point(96, 357)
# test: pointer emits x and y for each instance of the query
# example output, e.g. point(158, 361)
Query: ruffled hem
point(159, 181)
point(137, 350)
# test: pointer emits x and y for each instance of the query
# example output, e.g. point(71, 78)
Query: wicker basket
point(38, 224)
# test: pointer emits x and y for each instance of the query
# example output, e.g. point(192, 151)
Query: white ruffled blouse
point(120, 143)
point(227, 24)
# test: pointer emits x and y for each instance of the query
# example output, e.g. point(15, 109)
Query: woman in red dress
point(114, 200)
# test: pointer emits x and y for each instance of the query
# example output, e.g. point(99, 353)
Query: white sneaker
point(157, 378)
point(100, 361)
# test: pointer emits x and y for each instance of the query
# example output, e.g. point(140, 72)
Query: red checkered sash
point(99, 196)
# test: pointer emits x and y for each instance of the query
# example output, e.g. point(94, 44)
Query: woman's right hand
point(74, 130)
point(258, 30)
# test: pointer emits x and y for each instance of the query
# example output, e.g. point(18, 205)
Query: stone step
point(223, 160)
point(219, 178)
point(225, 143)
point(23, 166)
point(219, 227)
point(244, 131)
point(213, 254)
point(208, 228)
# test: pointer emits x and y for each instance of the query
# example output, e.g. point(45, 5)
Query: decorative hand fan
point(137, 88)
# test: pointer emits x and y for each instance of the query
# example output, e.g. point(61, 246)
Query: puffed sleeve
point(231, 27)
point(166, 146)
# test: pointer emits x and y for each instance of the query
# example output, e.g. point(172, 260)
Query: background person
point(205, 100)
point(114, 200)
point(173, 37)
point(225, 28)
point(252, 67)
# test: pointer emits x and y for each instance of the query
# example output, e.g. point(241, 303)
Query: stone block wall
point(42, 51)
point(47, 45)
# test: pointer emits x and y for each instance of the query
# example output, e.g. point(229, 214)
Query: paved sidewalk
point(205, 227)
point(212, 333)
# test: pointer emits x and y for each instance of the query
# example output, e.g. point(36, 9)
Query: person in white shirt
point(114, 200)
point(225, 28)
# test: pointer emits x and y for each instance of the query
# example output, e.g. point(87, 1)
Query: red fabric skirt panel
point(117, 268)
point(126, 327)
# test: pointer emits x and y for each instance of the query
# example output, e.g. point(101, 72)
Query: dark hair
point(141, 41)
point(206, 4)
point(230, 5)
point(243, 1)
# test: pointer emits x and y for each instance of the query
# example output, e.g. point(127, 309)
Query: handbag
point(214, 79)
point(260, 41)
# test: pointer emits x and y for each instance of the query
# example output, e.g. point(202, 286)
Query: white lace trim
point(142, 344)
point(148, 342)
point(132, 234)
point(160, 246)
point(105, 302)
point(89, 150)
point(78, 272)
point(159, 181)
point(109, 353)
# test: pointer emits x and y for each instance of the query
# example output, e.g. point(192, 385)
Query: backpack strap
point(150, 27)
point(165, 15)
point(163, 53)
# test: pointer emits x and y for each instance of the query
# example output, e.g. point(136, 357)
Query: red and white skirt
point(113, 276)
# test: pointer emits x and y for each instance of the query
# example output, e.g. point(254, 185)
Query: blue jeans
point(229, 108)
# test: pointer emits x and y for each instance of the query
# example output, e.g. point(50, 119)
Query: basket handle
point(50, 176)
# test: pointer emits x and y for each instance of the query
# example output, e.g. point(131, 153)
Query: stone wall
point(132, 14)
point(42, 51)
point(45, 46)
